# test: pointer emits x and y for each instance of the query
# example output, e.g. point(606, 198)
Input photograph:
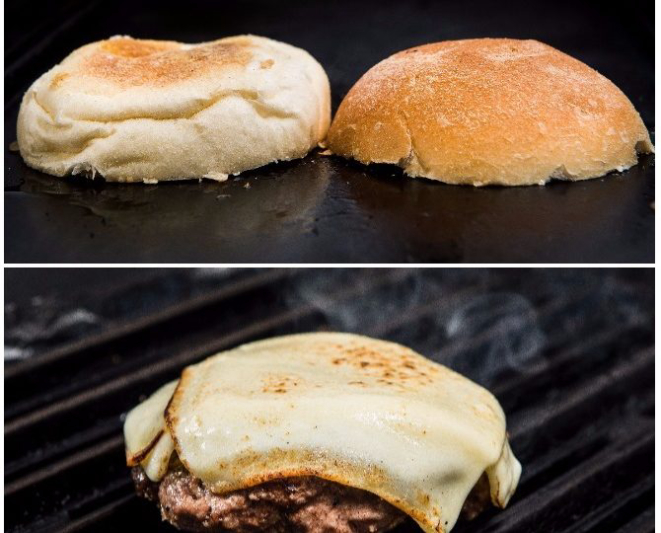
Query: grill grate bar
point(225, 292)
point(544, 313)
point(90, 368)
point(574, 487)
point(624, 504)
point(541, 468)
point(98, 514)
point(176, 360)
point(571, 359)
point(633, 370)
point(643, 523)
point(58, 467)
point(445, 301)
point(99, 433)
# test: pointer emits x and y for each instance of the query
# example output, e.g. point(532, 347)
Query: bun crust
point(489, 111)
point(147, 111)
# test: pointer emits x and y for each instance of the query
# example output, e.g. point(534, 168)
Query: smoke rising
point(48, 322)
point(480, 322)
point(449, 316)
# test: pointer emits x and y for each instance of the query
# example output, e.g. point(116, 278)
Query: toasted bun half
point(146, 111)
point(489, 111)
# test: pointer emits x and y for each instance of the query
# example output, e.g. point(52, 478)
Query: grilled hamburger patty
point(302, 504)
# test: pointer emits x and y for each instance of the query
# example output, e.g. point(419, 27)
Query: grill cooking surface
point(568, 354)
point(325, 209)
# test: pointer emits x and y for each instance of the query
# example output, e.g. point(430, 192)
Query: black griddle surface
point(325, 209)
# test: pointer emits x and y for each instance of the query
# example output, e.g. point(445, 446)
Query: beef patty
point(301, 504)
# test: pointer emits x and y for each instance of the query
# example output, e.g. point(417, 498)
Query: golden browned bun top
point(135, 110)
point(489, 111)
point(162, 62)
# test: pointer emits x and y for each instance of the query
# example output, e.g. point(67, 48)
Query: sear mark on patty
point(301, 504)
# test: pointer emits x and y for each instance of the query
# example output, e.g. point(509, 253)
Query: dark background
point(326, 209)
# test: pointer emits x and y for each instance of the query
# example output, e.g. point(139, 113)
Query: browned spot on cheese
point(279, 384)
point(132, 62)
point(388, 365)
point(422, 497)
point(58, 79)
point(267, 63)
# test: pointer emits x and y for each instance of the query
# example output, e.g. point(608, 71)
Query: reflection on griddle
point(326, 209)
point(501, 224)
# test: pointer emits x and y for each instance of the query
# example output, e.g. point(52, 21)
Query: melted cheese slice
point(358, 411)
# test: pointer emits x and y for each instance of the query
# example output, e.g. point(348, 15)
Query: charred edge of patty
point(305, 504)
